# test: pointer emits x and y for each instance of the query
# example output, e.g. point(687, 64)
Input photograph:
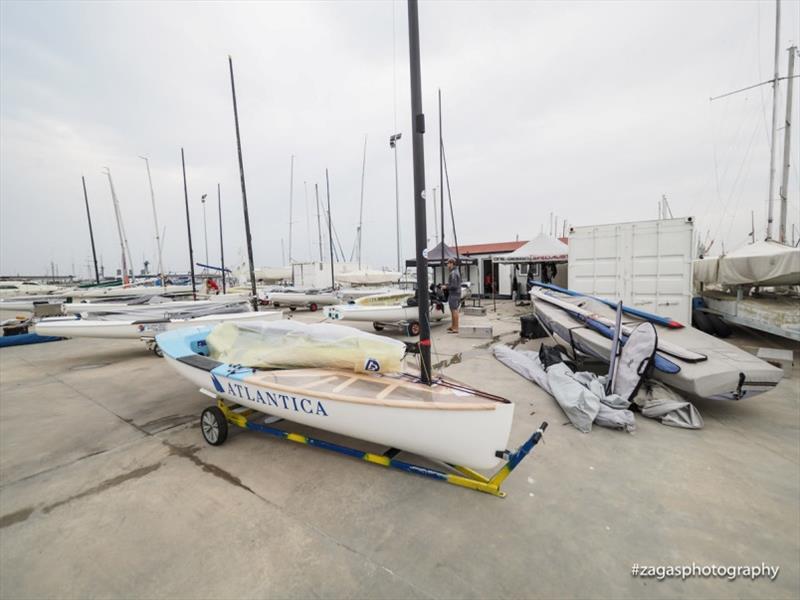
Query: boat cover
point(763, 263)
point(583, 399)
point(291, 344)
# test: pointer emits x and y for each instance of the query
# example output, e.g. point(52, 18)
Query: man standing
point(454, 294)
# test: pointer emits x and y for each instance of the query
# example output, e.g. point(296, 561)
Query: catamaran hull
point(728, 373)
point(134, 330)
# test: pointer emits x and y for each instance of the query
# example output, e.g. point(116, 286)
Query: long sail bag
point(293, 345)
point(635, 361)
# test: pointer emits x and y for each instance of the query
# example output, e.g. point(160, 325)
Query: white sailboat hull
point(279, 299)
point(728, 373)
point(134, 330)
point(382, 314)
point(436, 422)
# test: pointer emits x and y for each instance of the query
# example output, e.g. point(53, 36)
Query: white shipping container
point(646, 264)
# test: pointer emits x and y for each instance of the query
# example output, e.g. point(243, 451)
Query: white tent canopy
point(542, 248)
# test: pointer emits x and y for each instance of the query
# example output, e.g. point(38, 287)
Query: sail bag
point(635, 361)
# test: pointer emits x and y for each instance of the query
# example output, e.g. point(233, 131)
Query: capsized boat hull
point(728, 373)
point(446, 421)
point(135, 329)
point(382, 314)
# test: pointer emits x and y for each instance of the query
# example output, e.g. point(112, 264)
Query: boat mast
point(361, 208)
point(418, 145)
point(155, 221)
point(291, 194)
point(221, 247)
point(319, 224)
point(249, 239)
point(91, 233)
point(441, 188)
point(308, 222)
point(771, 197)
point(330, 226)
point(787, 148)
point(123, 241)
point(188, 226)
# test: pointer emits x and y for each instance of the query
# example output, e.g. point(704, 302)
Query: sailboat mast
point(221, 247)
point(774, 140)
point(291, 194)
point(361, 208)
point(123, 243)
point(787, 148)
point(155, 221)
point(330, 226)
point(418, 145)
point(188, 226)
point(319, 224)
point(91, 232)
point(248, 238)
point(441, 188)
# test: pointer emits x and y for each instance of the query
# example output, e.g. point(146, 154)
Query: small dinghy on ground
point(446, 421)
point(383, 315)
point(687, 359)
point(310, 299)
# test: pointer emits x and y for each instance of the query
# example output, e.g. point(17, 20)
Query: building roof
point(495, 248)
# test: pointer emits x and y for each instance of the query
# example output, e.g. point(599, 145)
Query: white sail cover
point(763, 263)
point(542, 248)
point(291, 345)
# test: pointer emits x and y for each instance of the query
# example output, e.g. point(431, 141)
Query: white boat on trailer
point(311, 299)
point(687, 359)
point(383, 316)
point(446, 421)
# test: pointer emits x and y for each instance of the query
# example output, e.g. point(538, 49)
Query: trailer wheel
point(313, 307)
point(214, 426)
point(157, 350)
point(291, 308)
point(275, 304)
point(413, 328)
point(701, 321)
point(377, 326)
point(720, 327)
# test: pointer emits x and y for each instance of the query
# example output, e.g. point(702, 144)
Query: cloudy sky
point(589, 110)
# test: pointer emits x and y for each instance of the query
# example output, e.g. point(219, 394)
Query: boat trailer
point(214, 426)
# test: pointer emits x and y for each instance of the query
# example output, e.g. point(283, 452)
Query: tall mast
point(221, 247)
point(435, 217)
point(123, 240)
point(291, 193)
point(787, 148)
point(774, 140)
point(188, 226)
point(418, 145)
point(441, 187)
point(319, 224)
point(91, 232)
point(393, 144)
point(361, 207)
point(308, 222)
point(330, 226)
point(248, 238)
point(155, 221)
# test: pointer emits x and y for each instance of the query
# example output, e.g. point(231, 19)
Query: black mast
point(221, 247)
point(441, 188)
point(91, 233)
point(330, 227)
point(248, 238)
point(418, 129)
point(188, 227)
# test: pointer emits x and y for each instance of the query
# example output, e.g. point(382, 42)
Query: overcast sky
point(590, 110)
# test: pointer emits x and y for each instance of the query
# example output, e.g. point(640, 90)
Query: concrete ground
point(107, 489)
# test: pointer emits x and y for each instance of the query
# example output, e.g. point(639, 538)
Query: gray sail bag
point(635, 361)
